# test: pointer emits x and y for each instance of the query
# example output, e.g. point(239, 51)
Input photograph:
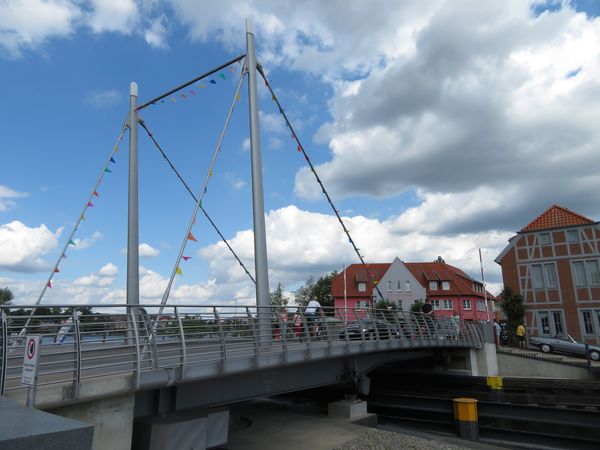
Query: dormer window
point(433, 285)
point(445, 285)
point(362, 287)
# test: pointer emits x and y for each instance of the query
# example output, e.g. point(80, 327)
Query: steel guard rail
point(83, 342)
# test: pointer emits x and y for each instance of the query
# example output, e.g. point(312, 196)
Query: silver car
point(567, 345)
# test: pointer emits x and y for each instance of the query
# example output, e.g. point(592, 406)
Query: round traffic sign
point(31, 349)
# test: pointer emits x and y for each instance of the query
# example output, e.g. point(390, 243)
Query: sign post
point(30, 367)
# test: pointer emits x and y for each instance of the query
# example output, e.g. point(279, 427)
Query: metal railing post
point(326, 328)
point(222, 338)
point(136, 338)
point(77, 342)
point(183, 359)
point(254, 334)
point(3, 361)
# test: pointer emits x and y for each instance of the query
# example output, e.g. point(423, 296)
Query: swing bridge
point(159, 359)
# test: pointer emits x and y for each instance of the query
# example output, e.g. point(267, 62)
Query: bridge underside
point(268, 381)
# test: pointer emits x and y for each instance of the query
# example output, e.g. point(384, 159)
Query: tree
point(322, 291)
point(304, 293)
point(277, 297)
point(514, 310)
point(6, 296)
point(416, 306)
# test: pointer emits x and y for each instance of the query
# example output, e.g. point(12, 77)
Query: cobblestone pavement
point(386, 440)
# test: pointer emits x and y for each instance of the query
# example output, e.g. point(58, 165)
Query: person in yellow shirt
point(521, 335)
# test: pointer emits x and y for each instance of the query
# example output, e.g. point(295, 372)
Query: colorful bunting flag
point(112, 160)
point(173, 99)
point(193, 92)
point(299, 148)
point(202, 85)
point(64, 256)
point(108, 170)
point(232, 69)
point(273, 97)
point(96, 194)
point(72, 243)
point(222, 75)
point(56, 270)
point(90, 204)
point(83, 217)
point(49, 284)
point(212, 82)
point(178, 271)
point(185, 258)
point(117, 149)
point(210, 173)
point(182, 96)
point(238, 96)
point(191, 237)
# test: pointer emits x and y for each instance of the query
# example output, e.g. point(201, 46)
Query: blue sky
point(434, 139)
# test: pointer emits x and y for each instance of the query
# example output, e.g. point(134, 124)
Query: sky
point(438, 127)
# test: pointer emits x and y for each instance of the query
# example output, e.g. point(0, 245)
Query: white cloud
point(109, 270)
point(156, 34)
point(274, 143)
point(82, 244)
point(120, 16)
point(301, 243)
point(101, 99)
point(6, 196)
point(30, 23)
point(145, 251)
point(246, 144)
point(236, 182)
point(22, 247)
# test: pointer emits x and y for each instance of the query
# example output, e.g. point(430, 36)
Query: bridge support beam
point(133, 269)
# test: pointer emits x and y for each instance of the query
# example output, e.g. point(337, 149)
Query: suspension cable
point(164, 155)
point(313, 170)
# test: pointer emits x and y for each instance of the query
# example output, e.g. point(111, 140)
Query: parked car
point(370, 328)
point(567, 345)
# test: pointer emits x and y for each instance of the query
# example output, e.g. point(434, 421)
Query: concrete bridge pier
point(482, 362)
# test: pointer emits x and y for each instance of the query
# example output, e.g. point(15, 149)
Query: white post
point(487, 307)
point(345, 297)
point(133, 269)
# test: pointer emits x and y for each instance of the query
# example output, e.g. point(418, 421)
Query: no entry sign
point(30, 360)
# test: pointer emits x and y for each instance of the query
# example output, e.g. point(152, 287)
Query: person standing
point(497, 331)
point(310, 313)
point(521, 335)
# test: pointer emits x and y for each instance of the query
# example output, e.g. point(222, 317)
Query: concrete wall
point(515, 366)
point(112, 419)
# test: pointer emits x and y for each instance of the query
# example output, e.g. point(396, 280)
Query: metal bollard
point(465, 417)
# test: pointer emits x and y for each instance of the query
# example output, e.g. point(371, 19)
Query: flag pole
point(487, 307)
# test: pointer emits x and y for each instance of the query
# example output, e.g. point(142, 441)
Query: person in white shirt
point(310, 313)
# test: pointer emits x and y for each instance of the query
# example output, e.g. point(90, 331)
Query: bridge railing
point(79, 343)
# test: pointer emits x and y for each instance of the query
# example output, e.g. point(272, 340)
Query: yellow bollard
point(465, 416)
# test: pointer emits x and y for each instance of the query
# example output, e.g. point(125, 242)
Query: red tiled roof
point(356, 273)
point(556, 217)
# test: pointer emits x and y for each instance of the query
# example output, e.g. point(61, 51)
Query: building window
point(362, 287)
point(588, 325)
point(466, 304)
point(448, 305)
point(579, 273)
point(572, 236)
point(545, 238)
point(399, 286)
point(551, 280)
point(433, 285)
point(389, 286)
point(435, 304)
point(480, 305)
point(544, 323)
point(538, 277)
point(593, 272)
point(558, 323)
point(400, 306)
point(407, 286)
point(445, 285)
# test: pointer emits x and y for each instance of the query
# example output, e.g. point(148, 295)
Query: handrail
point(105, 340)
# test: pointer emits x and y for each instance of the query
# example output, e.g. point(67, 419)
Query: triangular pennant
point(96, 194)
point(56, 270)
point(205, 189)
point(116, 149)
point(293, 135)
point(191, 237)
point(212, 82)
point(210, 173)
point(266, 83)
point(238, 96)
point(112, 160)
point(173, 99)
point(83, 217)
point(178, 271)
point(222, 75)
point(49, 284)
point(185, 258)
point(202, 85)
point(72, 243)
point(193, 92)
point(183, 96)
point(90, 204)
point(232, 69)
point(108, 170)
point(64, 256)
point(299, 148)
